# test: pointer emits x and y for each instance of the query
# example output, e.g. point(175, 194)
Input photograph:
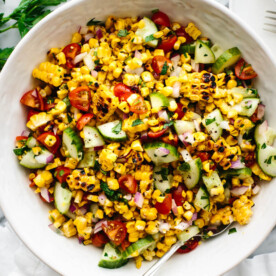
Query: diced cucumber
point(247, 107)
point(140, 246)
point(188, 233)
point(162, 178)
point(212, 123)
point(72, 142)
point(146, 33)
point(183, 126)
point(245, 92)
point(62, 198)
point(203, 53)
point(113, 131)
point(88, 160)
point(32, 142)
point(212, 182)
point(92, 137)
point(227, 59)
point(29, 160)
point(217, 50)
point(202, 199)
point(266, 158)
point(264, 135)
point(112, 257)
point(239, 173)
point(187, 48)
point(191, 172)
point(160, 152)
point(158, 100)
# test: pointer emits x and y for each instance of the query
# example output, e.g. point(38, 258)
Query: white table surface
point(17, 260)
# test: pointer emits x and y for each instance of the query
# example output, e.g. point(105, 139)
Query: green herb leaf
point(164, 69)
point(117, 128)
point(164, 173)
point(149, 38)
point(20, 151)
point(111, 194)
point(204, 197)
point(168, 124)
point(97, 166)
point(209, 121)
point(4, 54)
point(232, 230)
point(94, 22)
point(263, 146)
point(185, 167)
point(97, 62)
point(123, 33)
point(137, 122)
point(155, 11)
point(61, 173)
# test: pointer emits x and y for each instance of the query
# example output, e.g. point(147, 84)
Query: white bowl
point(26, 212)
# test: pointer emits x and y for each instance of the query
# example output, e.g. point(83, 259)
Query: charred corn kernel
point(188, 215)
point(187, 205)
point(231, 84)
point(50, 140)
point(68, 229)
point(76, 38)
point(124, 107)
point(145, 91)
point(235, 181)
point(117, 72)
point(71, 163)
point(199, 223)
point(36, 150)
point(172, 106)
point(193, 31)
point(119, 168)
point(130, 79)
point(169, 241)
point(147, 76)
point(140, 225)
point(242, 210)
point(112, 183)
point(167, 91)
point(232, 114)
point(56, 217)
point(61, 58)
point(78, 196)
point(257, 170)
point(136, 145)
point(99, 214)
point(177, 44)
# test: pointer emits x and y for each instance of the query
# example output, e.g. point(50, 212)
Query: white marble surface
point(17, 260)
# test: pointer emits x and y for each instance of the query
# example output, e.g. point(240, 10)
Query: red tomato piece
point(188, 246)
point(71, 51)
point(125, 244)
point(177, 195)
point(83, 120)
point(180, 111)
point(48, 106)
point(116, 231)
point(53, 149)
point(157, 134)
point(80, 98)
point(33, 99)
point(161, 18)
point(166, 206)
point(122, 91)
point(244, 71)
point(181, 32)
point(20, 138)
point(158, 63)
point(128, 183)
point(167, 44)
point(31, 113)
point(139, 106)
point(61, 174)
point(204, 156)
point(173, 142)
point(99, 239)
point(250, 159)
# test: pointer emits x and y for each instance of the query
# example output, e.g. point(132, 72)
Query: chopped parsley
point(155, 11)
point(97, 166)
point(149, 38)
point(204, 197)
point(61, 172)
point(209, 121)
point(263, 146)
point(137, 122)
point(164, 173)
point(232, 230)
point(111, 194)
point(167, 124)
point(117, 128)
point(184, 167)
point(20, 151)
point(123, 33)
point(268, 161)
point(94, 22)
point(97, 62)
point(164, 69)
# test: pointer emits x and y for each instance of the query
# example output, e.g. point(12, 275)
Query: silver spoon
point(173, 249)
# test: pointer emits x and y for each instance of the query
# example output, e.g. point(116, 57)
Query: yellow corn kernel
point(172, 106)
point(167, 91)
point(158, 34)
point(188, 215)
point(177, 44)
point(99, 214)
point(158, 52)
point(180, 210)
point(169, 241)
point(187, 205)
point(193, 31)
point(147, 76)
point(117, 72)
point(136, 145)
point(160, 199)
point(156, 194)
point(231, 84)
point(133, 237)
point(39, 181)
point(140, 225)
point(47, 177)
point(199, 223)
point(189, 195)
point(145, 91)
point(50, 140)
point(112, 183)
point(36, 150)
point(61, 58)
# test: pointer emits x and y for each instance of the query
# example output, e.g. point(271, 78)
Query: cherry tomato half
point(128, 183)
point(99, 239)
point(20, 138)
point(166, 206)
point(116, 231)
point(80, 98)
point(167, 44)
point(62, 173)
point(244, 71)
point(53, 149)
point(204, 156)
point(177, 195)
point(71, 51)
point(161, 18)
point(181, 32)
point(33, 99)
point(157, 134)
point(139, 106)
point(180, 111)
point(250, 159)
point(173, 142)
point(83, 120)
point(122, 91)
point(31, 112)
point(188, 246)
point(158, 63)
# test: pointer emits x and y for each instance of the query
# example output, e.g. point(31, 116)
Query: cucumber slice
point(158, 100)
point(110, 131)
point(217, 50)
point(212, 182)
point(206, 41)
point(247, 107)
point(202, 199)
point(183, 126)
point(160, 152)
point(227, 59)
point(146, 33)
point(112, 257)
point(31, 142)
point(264, 135)
point(72, 142)
point(240, 173)
point(212, 123)
point(88, 160)
point(29, 160)
point(140, 246)
point(187, 48)
point(245, 92)
point(203, 53)
point(62, 198)
point(92, 137)
point(188, 233)
point(162, 179)
point(191, 172)
point(266, 158)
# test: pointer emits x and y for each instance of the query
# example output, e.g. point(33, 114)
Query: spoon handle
point(162, 260)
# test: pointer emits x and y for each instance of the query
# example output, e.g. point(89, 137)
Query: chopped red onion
point(44, 158)
point(83, 210)
point(186, 138)
point(102, 197)
point(81, 239)
point(94, 74)
point(137, 54)
point(79, 58)
point(174, 208)
point(144, 137)
point(54, 229)
point(127, 154)
point(164, 227)
point(88, 36)
point(163, 114)
point(176, 72)
point(25, 133)
point(83, 30)
point(182, 226)
point(175, 60)
point(164, 150)
point(176, 89)
point(45, 194)
point(99, 33)
point(128, 197)
point(197, 126)
point(260, 111)
point(99, 225)
point(49, 159)
point(195, 66)
point(72, 208)
point(239, 191)
point(137, 71)
point(237, 164)
point(89, 62)
point(194, 217)
point(256, 189)
point(98, 148)
point(34, 93)
point(139, 200)
point(225, 125)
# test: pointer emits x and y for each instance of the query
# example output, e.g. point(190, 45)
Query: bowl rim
point(73, 3)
